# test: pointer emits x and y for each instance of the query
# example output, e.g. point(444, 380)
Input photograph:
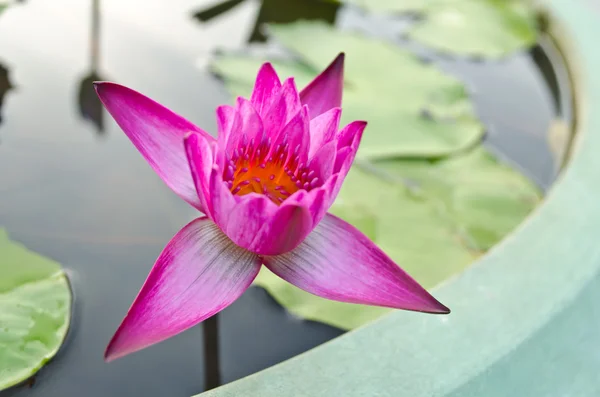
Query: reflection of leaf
point(490, 28)
point(413, 109)
point(35, 307)
point(432, 218)
point(216, 10)
point(5, 86)
point(90, 107)
point(271, 11)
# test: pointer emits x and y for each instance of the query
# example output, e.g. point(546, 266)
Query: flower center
point(269, 179)
point(272, 171)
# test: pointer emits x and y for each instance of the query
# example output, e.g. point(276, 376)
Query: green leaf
point(239, 71)
point(489, 28)
point(432, 218)
point(407, 227)
point(35, 308)
point(311, 307)
point(485, 198)
point(413, 109)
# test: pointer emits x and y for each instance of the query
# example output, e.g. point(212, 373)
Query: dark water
point(73, 188)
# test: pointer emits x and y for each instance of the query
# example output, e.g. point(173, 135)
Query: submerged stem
point(212, 373)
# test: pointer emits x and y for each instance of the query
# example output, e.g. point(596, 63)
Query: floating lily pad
point(426, 196)
point(484, 198)
point(406, 226)
point(413, 109)
point(432, 217)
point(489, 28)
point(311, 307)
point(35, 308)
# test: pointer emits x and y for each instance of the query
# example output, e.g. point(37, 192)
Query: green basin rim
point(522, 316)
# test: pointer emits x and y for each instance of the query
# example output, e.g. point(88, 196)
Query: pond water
point(73, 188)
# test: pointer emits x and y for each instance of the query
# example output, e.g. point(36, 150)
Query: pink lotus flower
point(265, 185)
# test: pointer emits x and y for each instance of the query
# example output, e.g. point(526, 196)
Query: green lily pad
point(35, 308)
point(489, 28)
point(311, 307)
point(485, 198)
point(430, 202)
point(407, 226)
point(413, 109)
point(432, 217)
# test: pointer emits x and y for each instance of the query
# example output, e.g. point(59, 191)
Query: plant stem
point(212, 373)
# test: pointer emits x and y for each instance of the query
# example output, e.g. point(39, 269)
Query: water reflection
point(5, 86)
point(90, 107)
point(271, 11)
point(216, 10)
point(212, 366)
